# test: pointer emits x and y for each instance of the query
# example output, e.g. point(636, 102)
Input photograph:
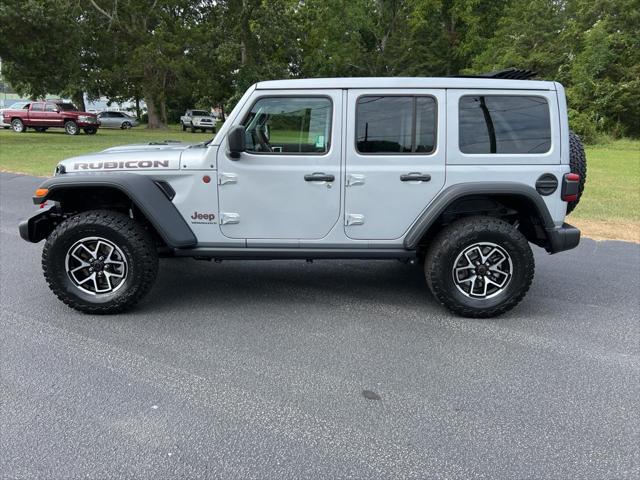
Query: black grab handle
point(415, 177)
point(319, 177)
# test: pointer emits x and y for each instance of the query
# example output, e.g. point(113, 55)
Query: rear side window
point(396, 124)
point(37, 107)
point(51, 107)
point(507, 124)
point(289, 125)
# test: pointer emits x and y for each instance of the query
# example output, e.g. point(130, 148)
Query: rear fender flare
point(449, 195)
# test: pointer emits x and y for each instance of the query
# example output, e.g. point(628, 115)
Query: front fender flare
point(143, 192)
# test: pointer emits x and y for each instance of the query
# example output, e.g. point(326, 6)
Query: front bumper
point(83, 124)
point(562, 238)
point(201, 124)
point(39, 224)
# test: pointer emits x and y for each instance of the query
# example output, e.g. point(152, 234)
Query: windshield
point(199, 113)
point(67, 107)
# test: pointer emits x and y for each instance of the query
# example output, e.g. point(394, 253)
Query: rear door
point(395, 159)
point(287, 183)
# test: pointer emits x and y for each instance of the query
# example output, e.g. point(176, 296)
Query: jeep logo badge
point(203, 218)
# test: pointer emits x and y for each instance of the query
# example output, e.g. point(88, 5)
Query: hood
point(147, 156)
point(75, 113)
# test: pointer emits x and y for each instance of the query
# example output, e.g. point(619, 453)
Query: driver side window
point(289, 125)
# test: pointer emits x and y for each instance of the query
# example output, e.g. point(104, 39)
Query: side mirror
point(236, 138)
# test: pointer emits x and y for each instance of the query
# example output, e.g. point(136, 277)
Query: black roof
point(509, 73)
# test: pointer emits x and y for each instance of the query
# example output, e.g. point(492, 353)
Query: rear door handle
point(415, 177)
point(319, 177)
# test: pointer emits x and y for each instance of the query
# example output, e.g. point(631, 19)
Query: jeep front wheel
point(100, 262)
point(479, 267)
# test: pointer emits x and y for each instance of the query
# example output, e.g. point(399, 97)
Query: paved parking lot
point(257, 370)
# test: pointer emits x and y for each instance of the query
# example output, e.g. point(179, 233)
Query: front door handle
point(319, 177)
point(415, 177)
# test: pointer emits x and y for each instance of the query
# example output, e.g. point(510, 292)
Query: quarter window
point(504, 124)
point(289, 125)
point(396, 124)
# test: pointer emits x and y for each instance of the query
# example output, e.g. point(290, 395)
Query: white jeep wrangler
point(458, 174)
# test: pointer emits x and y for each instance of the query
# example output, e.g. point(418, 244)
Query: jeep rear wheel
point(71, 127)
point(479, 267)
point(100, 262)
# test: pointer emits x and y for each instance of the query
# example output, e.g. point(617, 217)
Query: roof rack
point(509, 73)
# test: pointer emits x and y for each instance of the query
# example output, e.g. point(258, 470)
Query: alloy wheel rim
point(96, 266)
point(482, 270)
point(17, 126)
point(71, 128)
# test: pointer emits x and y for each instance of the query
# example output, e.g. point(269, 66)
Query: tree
point(42, 48)
point(142, 49)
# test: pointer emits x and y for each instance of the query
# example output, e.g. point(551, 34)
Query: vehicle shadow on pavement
point(185, 282)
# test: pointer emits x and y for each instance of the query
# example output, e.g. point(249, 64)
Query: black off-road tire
point(453, 240)
point(131, 238)
point(91, 130)
point(71, 128)
point(184, 127)
point(578, 163)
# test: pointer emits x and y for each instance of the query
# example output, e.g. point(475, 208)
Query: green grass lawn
point(612, 191)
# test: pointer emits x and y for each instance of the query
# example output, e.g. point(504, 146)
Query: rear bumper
point(562, 238)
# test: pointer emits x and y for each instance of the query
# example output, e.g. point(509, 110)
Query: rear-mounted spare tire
point(578, 163)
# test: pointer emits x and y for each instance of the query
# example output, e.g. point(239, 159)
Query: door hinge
point(229, 218)
point(354, 179)
point(225, 178)
point(354, 219)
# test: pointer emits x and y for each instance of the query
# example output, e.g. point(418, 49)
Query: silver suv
point(459, 175)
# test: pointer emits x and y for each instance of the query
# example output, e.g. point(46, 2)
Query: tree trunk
point(137, 107)
point(163, 112)
point(153, 114)
point(78, 100)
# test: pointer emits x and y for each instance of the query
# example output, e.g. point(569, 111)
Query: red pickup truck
point(43, 115)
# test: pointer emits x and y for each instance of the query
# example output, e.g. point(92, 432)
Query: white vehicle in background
point(15, 106)
point(198, 120)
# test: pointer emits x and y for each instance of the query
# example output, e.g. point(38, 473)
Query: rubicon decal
point(204, 218)
point(117, 165)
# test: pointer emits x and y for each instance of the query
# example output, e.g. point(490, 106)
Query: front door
point(395, 162)
point(287, 183)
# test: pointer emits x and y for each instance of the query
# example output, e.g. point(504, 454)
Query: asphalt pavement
point(336, 369)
